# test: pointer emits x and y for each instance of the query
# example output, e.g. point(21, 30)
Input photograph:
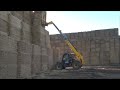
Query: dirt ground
point(86, 72)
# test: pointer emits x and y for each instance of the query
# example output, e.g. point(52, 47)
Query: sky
point(80, 21)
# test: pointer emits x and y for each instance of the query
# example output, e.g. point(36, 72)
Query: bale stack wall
point(24, 44)
point(98, 47)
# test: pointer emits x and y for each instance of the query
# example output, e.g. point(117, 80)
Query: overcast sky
point(79, 21)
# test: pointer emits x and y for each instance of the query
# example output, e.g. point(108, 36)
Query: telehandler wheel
point(59, 66)
point(76, 65)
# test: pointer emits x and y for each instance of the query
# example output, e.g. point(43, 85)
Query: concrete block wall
point(99, 47)
point(24, 44)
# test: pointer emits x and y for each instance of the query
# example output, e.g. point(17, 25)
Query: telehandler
point(74, 59)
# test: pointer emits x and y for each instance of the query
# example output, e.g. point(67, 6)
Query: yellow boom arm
point(78, 55)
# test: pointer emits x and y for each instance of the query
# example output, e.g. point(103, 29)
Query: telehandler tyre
point(76, 65)
point(58, 66)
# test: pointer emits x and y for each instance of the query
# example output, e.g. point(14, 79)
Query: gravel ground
point(86, 72)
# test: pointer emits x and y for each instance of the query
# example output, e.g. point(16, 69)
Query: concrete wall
point(24, 44)
point(99, 47)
